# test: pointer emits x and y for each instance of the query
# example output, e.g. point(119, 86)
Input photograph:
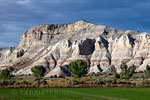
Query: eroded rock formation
point(54, 46)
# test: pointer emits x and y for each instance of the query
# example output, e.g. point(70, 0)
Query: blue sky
point(17, 16)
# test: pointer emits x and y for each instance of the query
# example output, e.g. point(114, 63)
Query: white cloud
point(61, 1)
point(22, 2)
point(11, 2)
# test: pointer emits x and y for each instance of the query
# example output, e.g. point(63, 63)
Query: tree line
point(78, 69)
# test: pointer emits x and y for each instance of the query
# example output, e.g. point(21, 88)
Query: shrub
point(73, 82)
point(131, 70)
point(38, 72)
point(78, 68)
point(124, 70)
point(5, 74)
point(142, 76)
point(147, 71)
point(117, 75)
point(127, 72)
point(55, 76)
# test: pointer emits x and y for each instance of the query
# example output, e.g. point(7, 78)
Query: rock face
point(54, 46)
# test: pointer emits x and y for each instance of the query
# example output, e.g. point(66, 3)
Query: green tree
point(147, 71)
point(116, 75)
point(126, 72)
point(78, 68)
point(38, 72)
point(131, 70)
point(5, 74)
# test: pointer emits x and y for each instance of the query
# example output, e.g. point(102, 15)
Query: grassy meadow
point(75, 93)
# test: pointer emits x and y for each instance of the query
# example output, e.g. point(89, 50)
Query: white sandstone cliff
point(54, 46)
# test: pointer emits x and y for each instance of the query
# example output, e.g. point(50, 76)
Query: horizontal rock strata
point(55, 46)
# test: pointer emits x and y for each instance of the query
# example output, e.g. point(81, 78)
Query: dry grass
point(89, 82)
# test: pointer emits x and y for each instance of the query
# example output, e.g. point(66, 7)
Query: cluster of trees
point(77, 68)
point(125, 71)
point(38, 72)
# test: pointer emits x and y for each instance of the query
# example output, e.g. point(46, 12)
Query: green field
point(75, 94)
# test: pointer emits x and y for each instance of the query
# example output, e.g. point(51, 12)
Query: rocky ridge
point(54, 46)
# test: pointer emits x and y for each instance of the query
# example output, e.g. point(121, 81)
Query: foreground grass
point(75, 94)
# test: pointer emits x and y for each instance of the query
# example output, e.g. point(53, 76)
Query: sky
point(17, 16)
